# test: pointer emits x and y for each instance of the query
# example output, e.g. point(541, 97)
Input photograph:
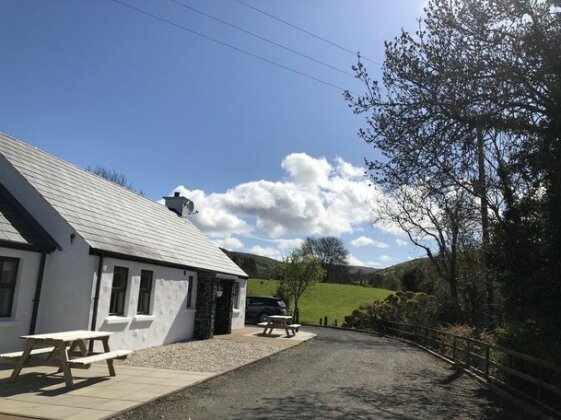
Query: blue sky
point(268, 156)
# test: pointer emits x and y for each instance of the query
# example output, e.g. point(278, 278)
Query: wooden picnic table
point(64, 350)
point(280, 322)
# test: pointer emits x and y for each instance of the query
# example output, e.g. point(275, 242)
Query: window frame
point(236, 296)
point(189, 303)
point(145, 291)
point(12, 286)
point(122, 290)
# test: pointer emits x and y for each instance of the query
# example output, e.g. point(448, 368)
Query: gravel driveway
point(339, 374)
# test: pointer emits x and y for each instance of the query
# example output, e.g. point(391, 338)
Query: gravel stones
point(212, 355)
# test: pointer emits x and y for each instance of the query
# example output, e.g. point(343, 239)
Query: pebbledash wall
point(170, 319)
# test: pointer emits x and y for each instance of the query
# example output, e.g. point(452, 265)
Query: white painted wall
point(66, 291)
point(18, 324)
point(169, 321)
point(238, 316)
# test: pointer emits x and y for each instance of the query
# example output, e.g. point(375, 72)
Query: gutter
point(37, 296)
point(96, 297)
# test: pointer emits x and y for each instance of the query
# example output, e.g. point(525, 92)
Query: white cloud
point(362, 241)
point(401, 242)
point(229, 243)
point(315, 200)
point(213, 218)
point(266, 251)
point(346, 170)
point(352, 260)
point(385, 258)
point(306, 170)
point(288, 244)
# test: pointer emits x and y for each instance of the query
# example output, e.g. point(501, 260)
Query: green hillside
point(333, 300)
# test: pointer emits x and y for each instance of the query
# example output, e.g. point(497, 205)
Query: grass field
point(333, 300)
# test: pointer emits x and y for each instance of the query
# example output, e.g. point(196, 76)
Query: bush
point(408, 307)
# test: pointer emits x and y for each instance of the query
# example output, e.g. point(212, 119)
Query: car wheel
point(263, 317)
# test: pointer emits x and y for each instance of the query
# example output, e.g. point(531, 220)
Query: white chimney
point(180, 205)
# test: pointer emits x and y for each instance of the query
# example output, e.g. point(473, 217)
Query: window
point(8, 274)
point(236, 295)
point(145, 292)
point(190, 293)
point(119, 291)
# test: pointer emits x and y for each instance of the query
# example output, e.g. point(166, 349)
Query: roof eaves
point(111, 254)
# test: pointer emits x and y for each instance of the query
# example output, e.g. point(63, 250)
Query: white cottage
point(79, 252)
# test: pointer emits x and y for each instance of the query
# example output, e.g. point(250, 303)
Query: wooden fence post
point(487, 362)
point(539, 383)
point(335, 322)
point(320, 321)
point(468, 351)
point(454, 349)
point(325, 320)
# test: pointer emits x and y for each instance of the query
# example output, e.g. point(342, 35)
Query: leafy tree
point(332, 254)
point(473, 98)
point(114, 176)
point(297, 274)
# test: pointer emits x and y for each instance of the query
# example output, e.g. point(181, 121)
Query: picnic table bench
point(64, 350)
point(283, 322)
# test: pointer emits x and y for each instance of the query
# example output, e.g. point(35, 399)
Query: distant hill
point(362, 269)
point(256, 266)
point(260, 267)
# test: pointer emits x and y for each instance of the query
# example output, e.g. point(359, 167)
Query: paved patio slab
point(41, 393)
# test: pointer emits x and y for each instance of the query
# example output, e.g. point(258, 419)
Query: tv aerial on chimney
point(191, 207)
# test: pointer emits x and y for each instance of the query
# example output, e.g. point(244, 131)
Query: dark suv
point(257, 308)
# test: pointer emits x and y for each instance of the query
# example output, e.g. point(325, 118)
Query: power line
point(262, 38)
point(274, 63)
point(304, 30)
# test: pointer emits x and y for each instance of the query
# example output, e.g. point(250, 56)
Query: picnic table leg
point(82, 346)
point(110, 366)
point(64, 367)
point(19, 365)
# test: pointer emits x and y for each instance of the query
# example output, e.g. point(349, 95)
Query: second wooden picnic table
point(280, 322)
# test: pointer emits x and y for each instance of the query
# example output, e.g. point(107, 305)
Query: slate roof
point(113, 219)
point(18, 229)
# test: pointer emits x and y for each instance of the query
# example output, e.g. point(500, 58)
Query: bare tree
point(114, 176)
point(437, 221)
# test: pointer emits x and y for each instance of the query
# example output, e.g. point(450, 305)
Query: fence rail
point(530, 378)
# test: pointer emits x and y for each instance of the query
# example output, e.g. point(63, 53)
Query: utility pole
point(484, 209)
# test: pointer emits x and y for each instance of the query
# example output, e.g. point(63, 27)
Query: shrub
point(410, 307)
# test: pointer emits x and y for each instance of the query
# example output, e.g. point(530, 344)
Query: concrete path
point(339, 374)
